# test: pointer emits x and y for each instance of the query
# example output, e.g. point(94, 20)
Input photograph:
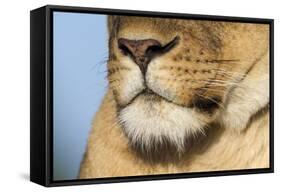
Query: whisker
point(217, 83)
point(229, 72)
point(213, 80)
point(244, 89)
point(224, 60)
point(217, 90)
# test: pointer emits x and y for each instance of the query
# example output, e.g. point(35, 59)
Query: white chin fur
point(147, 120)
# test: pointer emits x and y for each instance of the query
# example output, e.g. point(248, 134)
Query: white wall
point(14, 93)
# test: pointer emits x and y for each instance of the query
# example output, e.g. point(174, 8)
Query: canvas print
point(140, 95)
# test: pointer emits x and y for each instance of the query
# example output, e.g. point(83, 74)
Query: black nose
point(141, 51)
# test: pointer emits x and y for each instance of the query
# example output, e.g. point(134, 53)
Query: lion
point(184, 96)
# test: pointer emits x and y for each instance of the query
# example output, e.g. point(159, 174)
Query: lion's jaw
point(151, 118)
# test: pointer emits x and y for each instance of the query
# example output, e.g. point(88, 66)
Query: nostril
point(153, 49)
point(123, 45)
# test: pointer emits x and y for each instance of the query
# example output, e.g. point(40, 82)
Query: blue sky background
point(80, 53)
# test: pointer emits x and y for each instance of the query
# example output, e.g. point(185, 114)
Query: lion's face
point(171, 78)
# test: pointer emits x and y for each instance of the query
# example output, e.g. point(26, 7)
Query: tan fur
point(235, 136)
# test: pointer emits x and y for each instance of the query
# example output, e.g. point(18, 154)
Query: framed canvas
point(123, 95)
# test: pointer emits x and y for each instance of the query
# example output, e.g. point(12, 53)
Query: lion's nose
point(141, 51)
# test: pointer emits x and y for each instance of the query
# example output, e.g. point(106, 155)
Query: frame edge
point(38, 96)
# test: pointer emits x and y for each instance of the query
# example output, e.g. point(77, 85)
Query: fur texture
point(202, 106)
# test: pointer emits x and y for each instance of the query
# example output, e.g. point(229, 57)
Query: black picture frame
point(41, 61)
